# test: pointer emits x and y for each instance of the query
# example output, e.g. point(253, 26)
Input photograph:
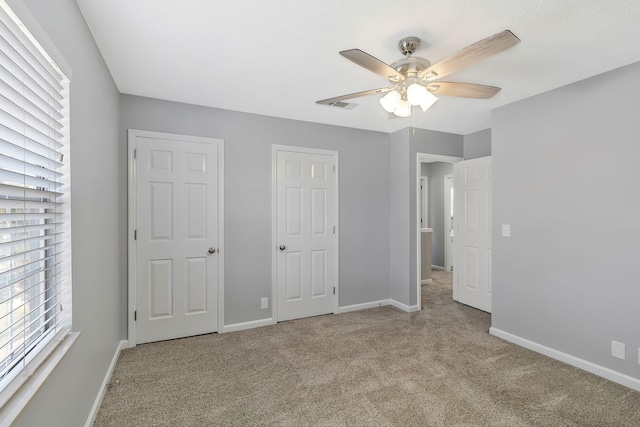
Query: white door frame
point(274, 238)
point(448, 256)
point(425, 158)
point(133, 213)
point(424, 198)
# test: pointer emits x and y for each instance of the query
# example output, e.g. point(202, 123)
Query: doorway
point(435, 168)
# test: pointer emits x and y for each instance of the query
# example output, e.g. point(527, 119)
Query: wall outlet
point(264, 302)
point(618, 350)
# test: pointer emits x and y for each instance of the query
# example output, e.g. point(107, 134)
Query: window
point(35, 306)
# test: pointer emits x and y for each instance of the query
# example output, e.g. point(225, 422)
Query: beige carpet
point(377, 367)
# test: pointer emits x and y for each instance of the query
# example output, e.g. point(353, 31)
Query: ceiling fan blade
point(464, 90)
point(332, 101)
point(371, 63)
point(470, 55)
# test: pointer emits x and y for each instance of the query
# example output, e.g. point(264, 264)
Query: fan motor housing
point(410, 66)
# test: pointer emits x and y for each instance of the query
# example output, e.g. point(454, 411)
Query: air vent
point(346, 105)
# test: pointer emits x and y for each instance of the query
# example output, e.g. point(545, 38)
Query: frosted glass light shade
point(416, 94)
point(428, 101)
point(403, 109)
point(390, 101)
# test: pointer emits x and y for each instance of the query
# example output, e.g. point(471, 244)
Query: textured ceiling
point(277, 57)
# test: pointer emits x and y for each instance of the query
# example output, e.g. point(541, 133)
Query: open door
point(472, 273)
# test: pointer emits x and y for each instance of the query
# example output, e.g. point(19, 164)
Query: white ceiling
point(277, 57)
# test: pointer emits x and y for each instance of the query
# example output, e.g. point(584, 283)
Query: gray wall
point(437, 171)
point(477, 144)
point(99, 245)
point(399, 219)
point(364, 196)
point(565, 177)
point(431, 142)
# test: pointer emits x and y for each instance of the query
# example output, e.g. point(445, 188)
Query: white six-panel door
point(305, 203)
point(472, 271)
point(177, 235)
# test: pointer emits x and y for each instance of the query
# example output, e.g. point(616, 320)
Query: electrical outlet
point(264, 302)
point(618, 350)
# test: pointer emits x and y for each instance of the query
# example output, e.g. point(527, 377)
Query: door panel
point(176, 280)
point(472, 275)
point(305, 204)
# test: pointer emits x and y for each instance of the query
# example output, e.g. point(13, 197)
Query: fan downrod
point(408, 45)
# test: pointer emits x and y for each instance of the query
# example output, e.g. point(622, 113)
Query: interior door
point(178, 226)
point(472, 274)
point(305, 204)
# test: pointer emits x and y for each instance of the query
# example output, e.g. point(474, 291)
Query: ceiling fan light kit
point(412, 77)
point(400, 102)
point(390, 101)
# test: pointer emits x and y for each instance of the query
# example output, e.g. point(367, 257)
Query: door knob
point(283, 247)
point(212, 250)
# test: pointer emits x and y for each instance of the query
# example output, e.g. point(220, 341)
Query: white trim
point(424, 198)
point(131, 243)
point(426, 281)
point(424, 158)
point(363, 306)
point(132, 214)
point(437, 267)
point(336, 241)
point(591, 367)
point(404, 307)
point(448, 258)
point(234, 327)
point(380, 303)
point(105, 382)
point(21, 398)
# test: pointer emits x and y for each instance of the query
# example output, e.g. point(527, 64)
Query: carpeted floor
point(377, 367)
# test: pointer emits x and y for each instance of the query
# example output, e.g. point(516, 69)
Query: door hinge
point(135, 316)
point(334, 290)
point(334, 168)
point(135, 153)
point(334, 229)
point(135, 234)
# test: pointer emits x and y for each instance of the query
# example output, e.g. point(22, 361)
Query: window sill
point(21, 398)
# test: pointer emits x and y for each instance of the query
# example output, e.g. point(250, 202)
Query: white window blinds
point(32, 195)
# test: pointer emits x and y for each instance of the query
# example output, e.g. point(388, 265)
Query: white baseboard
point(437, 267)
point(380, 303)
point(601, 371)
point(426, 281)
point(404, 307)
point(103, 388)
point(363, 306)
point(234, 327)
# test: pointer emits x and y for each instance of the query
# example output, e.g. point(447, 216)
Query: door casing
point(449, 252)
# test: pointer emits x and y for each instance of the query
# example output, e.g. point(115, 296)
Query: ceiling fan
point(415, 80)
